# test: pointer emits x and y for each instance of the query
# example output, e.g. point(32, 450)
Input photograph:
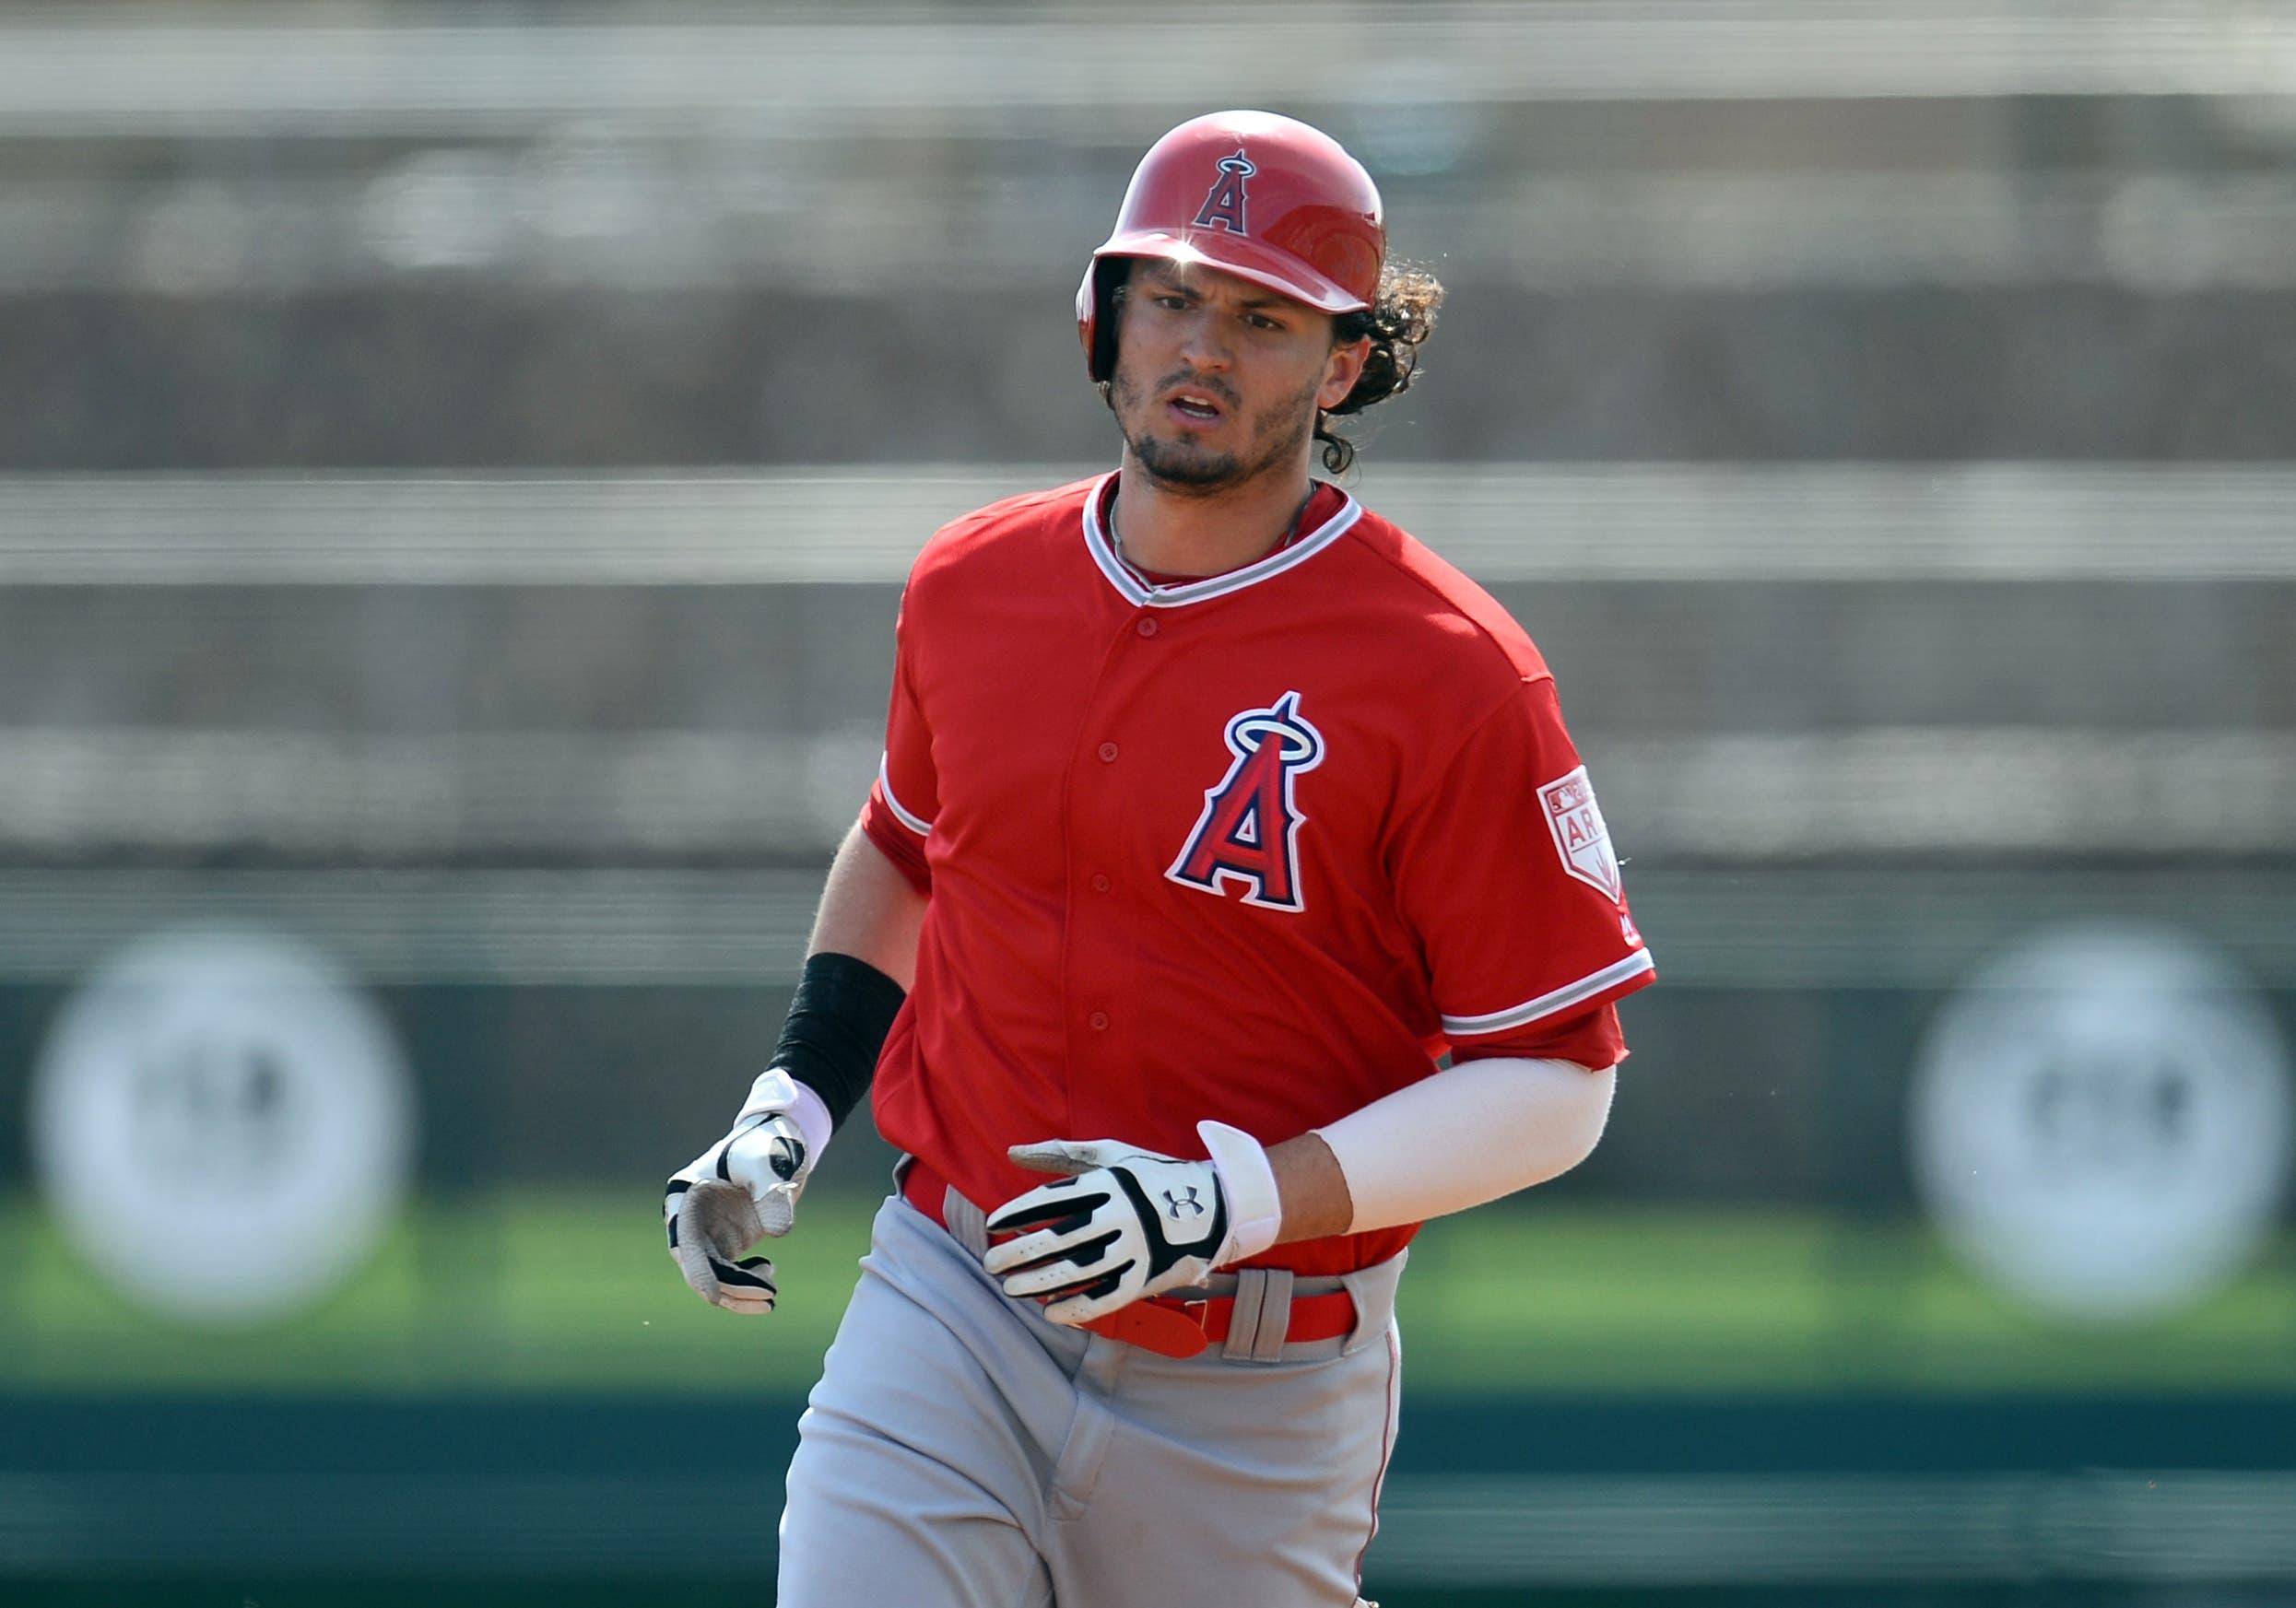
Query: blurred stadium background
point(456, 467)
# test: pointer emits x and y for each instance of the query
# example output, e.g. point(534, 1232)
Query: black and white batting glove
point(744, 1188)
point(1125, 1223)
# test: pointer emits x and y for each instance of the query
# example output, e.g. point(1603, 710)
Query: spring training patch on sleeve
point(1576, 820)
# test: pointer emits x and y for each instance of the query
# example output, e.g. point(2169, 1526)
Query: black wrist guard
point(836, 1026)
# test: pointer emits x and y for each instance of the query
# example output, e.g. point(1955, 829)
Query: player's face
point(1217, 380)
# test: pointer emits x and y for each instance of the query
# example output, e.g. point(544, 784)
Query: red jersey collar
point(1129, 586)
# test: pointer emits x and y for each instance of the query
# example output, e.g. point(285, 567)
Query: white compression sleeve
point(1470, 1133)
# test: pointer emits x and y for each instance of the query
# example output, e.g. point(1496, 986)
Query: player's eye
point(1260, 320)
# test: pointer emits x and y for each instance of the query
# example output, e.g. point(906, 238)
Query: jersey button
point(1101, 885)
point(1099, 1021)
point(1149, 627)
point(1108, 753)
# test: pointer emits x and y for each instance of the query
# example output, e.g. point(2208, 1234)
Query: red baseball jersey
point(1258, 847)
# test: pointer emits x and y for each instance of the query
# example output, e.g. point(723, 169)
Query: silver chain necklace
point(1116, 544)
point(1116, 541)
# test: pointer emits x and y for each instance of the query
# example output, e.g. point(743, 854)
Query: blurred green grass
point(571, 1291)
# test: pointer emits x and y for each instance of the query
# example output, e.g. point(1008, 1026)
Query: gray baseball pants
point(961, 1451)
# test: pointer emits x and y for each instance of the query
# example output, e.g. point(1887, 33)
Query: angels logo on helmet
point(1223, 207)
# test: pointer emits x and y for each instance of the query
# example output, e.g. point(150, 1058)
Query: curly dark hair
point(1398, 325)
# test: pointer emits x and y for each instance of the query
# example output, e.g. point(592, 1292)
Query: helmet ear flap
point(1096, 316)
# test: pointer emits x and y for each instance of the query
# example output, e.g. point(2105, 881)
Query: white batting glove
point(743, 1188)
point(1124, 1224)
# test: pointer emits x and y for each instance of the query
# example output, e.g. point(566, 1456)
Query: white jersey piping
point(1134, 592)
point(923, 829)
point(1547, 1004)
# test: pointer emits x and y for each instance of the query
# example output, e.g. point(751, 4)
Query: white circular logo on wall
point(222, 1124)
point(2100, 1122)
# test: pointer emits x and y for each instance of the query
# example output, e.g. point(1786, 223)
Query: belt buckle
point(1165, 1327)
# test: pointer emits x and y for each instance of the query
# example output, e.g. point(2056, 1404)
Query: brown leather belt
point(1168, 1325)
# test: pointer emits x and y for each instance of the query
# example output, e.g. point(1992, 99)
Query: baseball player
point(1215, 813)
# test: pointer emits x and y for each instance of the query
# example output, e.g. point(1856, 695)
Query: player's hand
point(741, 1190)
point(1125, 1223)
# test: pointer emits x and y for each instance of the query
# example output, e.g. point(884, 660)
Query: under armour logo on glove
point(1095, 1241)
point(1188, 1203)
point(785, 1155)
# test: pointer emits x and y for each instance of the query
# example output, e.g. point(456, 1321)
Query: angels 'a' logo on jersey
point(1223, 207)
point(1249, 828)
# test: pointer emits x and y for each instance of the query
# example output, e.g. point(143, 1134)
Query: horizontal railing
point(1776, 927)
point(1978, 521)
point(239, 70)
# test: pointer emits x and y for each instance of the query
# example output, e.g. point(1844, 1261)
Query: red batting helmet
point(1264, 197)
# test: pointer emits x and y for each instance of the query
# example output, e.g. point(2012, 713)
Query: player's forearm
point(869, 910)
point(1312, 1188)
point(1472, 1134)
point(1468, 1134)
point(870, 914)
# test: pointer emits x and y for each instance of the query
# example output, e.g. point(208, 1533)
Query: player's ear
point(1342, 370)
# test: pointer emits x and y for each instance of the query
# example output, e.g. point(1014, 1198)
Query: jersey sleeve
point(1592, 1038)
point(1508, 879)
point(906, 796)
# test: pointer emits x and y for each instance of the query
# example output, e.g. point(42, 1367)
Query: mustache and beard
point(1191, 468)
